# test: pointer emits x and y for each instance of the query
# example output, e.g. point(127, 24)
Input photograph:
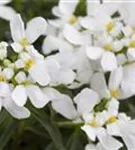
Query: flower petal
point(7, 12)
point(15, 110)
point(108, 142)
point(17, 28)
point(66, 76)
point(86, 100)
point(109, 61)
point(98, 83)
point(35, 28)
point(17, 47)
point(128, 81)
point(36, 96)
point(72, 35)
point(51, 93)
point(115, 78)
point(50, 44)
point(39, 74)
point(68, 8)
point(128, 134)
point(65, 107)
point(94, 53)
point(90, 131)
point(19, 95)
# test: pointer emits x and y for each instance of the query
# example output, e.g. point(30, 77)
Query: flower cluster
point(94, 53)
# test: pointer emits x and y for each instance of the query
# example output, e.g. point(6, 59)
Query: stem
point(69, 124)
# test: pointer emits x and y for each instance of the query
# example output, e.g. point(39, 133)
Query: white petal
point(20, 77)
point(19, 64)
point(108, 142)
point(86, 100)
point(113, 129)
point(94, 53)
point(89, 23)
point(91, 5)
point(4, 89)
point(131, 54)
point(109, 62)
point(39, 73)
point(50, 44)
point(65, 107)
point(35, 28)
point(3, 2)
point(15, 110)
point(90, 131)
point(98, 83)
point(72, 35)
point(115, 79)
point(17, 28)
point(19, 95)
point(113, 107)
point(94, 147)
point(67, 8)
point(51, 93)
point(128, 81)
point(6, 12)
point(66, 76)
point(128, 134)
point(17, 47)
point(56, 11)
point(121, 59)
point(36, 96)
point(8, 73)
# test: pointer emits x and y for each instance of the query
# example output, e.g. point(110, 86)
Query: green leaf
point(9, 125)
point(76, 141)
point(50, 126)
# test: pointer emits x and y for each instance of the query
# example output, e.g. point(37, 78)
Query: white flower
point(107, 141)
point(34, 63)
point(113, 90)
point(65, 13)
point(26, 90)
point(7, 102)
point(123, 127)
point(22, 37)
point(6, 12)
point(95, 123)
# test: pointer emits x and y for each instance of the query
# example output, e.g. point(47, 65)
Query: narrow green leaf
point(9, 128)
point(50, 126)
point(75, 141)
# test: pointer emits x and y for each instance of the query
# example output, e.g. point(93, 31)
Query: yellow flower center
point(112, 119)
point(93, 123)
point(108, 47)
point(132, 44)
point(24, 42)
point(29, 63)
point(115, 93)
point(73, 20)
point(2, 78)
point(109, 26)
